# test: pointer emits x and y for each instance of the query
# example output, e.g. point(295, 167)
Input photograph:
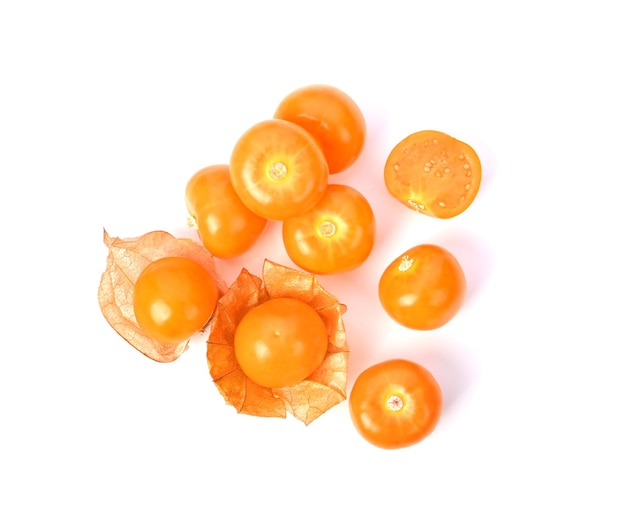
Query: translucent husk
point(126, 260)
point(307, 400)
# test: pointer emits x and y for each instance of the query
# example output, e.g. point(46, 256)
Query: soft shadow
point(475, 256)
point(450, 364)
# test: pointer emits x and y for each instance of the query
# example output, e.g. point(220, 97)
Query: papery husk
point(126, 259)
point(307, 400)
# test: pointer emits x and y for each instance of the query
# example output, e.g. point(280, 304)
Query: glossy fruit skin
point(174, 297)
point(280, 342)
point(395, 403)
point(226, 226)
point(423, 288)
point(278, 170)
point(336, 235)
point(331, 117)
point(433, 173)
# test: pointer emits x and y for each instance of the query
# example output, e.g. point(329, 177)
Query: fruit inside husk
point(307, 400)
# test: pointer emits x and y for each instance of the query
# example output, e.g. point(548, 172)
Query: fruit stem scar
point(327, 228)
point(277, 171)
point(405, 263)
point(394, 403)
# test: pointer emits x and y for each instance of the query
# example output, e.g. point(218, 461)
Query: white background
point(106, 109)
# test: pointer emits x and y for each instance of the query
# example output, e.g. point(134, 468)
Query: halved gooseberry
point(433, 173)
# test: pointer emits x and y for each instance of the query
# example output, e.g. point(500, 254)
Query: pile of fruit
point(277, 343)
